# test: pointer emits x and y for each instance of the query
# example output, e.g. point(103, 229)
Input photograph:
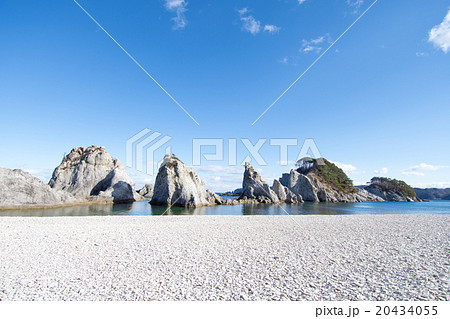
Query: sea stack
point(254, 188)
point(91, 173)
point(177, 185)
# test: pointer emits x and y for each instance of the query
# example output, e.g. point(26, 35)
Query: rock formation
point(255, 189)
point(301, 185)
point(19, 189)
point(146, 191)
point(177, 185)
point(285, 194)
point(91, 173)
point(323, 181)
point(392, 190)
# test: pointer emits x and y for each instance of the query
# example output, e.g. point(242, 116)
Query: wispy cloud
point(43, 174)
point(253, 26)
point(440, 34)
point(315, 45)
point(284, 60)
point(355, 5)
point(250, 24)
point(382, 171)
point(220, 178)
point(271, 28)
point(348, 168)
point(421, 54)
point(301, 1)
point(419, 170)
point(179, 8)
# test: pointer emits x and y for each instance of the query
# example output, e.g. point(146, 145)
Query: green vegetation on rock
point(394, 185)
point(328, 173)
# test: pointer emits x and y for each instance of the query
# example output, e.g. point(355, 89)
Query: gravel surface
point(363, 257)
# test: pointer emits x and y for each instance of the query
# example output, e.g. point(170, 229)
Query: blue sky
point(378, 102)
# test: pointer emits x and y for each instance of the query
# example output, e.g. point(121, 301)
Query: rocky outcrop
point(255, 189)
point(146, 191)
point(301, 185)
point(365, 196)
point(177, 185)
point(389, 196)
point(324, 184)
point(213, 198)
point(18, 189)
point(236, 192)
point(285, 194)
point(392, 190)
point(91, 173)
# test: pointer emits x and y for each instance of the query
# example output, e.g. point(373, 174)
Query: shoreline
point(87, 203)
point(306, 257)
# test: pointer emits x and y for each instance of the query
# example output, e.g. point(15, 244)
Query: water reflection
point(144, 208)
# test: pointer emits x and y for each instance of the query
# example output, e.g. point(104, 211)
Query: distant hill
point(433, 193)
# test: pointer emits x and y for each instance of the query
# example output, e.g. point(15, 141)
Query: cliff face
point(177, 185)
point(20, 189)
point(91, 173)
point(392, 190)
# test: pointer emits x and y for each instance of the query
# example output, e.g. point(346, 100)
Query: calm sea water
point(144, 208)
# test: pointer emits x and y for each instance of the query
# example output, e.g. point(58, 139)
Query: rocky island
point(177, 185)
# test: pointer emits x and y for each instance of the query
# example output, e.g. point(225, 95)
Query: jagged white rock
point(177, 185)
point(255, 188)
point(300, 184)
point(285, 194)
point(91, 173)
point(147, 190)
point(19, 189)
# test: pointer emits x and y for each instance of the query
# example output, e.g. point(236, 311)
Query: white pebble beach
point(358, 257)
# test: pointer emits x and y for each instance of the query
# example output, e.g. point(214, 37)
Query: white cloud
point(426, 167)
point(314, 45)
point(271, 28)
point(220, 178)
point(251, 25)
point(301, 1)
point(411, 173)
point(179, 7)
point(284, 60)
point(355, 5)
point(421, 54)
point(243, 11)
point(43, 174)
point(140, 178)
point(345, 167)
point(418, 170)
point(440, 34)
point(382, 171)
